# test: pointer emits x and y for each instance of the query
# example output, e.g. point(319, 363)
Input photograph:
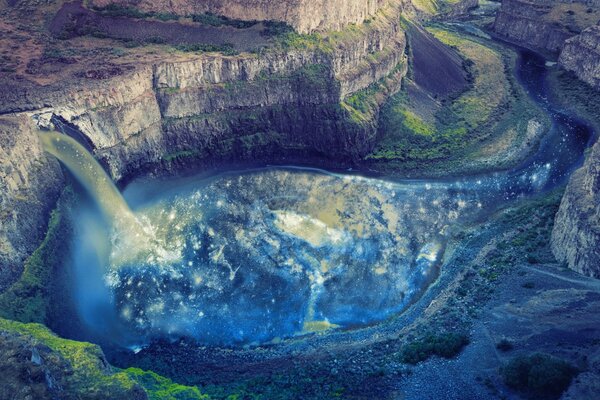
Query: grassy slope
point(409, 139)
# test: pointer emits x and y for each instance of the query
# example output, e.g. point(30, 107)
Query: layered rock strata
point(30, 183)
point(581, 54)
point(304, 15)
point(576, 233)
point(525, 22)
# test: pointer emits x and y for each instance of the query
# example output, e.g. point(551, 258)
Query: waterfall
point(89, 173)
point(132, 240)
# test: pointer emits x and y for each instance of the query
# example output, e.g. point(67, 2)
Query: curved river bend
point(253, 256)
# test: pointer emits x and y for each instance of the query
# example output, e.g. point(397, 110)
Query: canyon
point(454, 154)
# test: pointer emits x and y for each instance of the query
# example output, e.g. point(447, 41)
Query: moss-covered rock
point(39, 364)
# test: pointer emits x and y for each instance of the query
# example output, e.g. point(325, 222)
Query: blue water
point(257, 255)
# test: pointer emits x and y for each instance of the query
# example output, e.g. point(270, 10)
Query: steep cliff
point(576, 233)
point(29, 185)
point(544, 24)
point(581, 54)
point(304, 15)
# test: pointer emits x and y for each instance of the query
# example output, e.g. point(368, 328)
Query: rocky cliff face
point(304, 15)
point(195, 110)
point(576, 234)
point(526, 23)
point(581, 54)
point(545, 24)
point(30, 183)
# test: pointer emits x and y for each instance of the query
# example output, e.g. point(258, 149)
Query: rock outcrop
point(525, 22)
point(304, 15)
point(544, 24)
point(30, 183)
point(576, 233)
point(581, 54)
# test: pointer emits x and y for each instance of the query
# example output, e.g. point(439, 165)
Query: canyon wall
point(576, 233)
point(30, 183)
point(194, 110)
point(544, 25)
point(581, 54)
point(525, 22)
point(304, 15)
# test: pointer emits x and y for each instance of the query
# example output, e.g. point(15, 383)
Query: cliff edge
point(576, 233)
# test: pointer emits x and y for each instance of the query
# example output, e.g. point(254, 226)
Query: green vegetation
point(530, 242)
point(179, 155)
point(115, 10)
point(409, 137)
point(538, 375)
point(227, 48)
point(27, 299)
point(476, 124)
point(161, 388)
point(218, 20)
point(297, 41)
point(91, 378)
point(445, 345)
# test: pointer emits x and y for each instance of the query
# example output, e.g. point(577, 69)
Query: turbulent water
point(276, 252)
point(258, 255)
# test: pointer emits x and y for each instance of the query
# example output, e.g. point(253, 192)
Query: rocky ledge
point(581, 54)
point(576, 233)
point(304, 15)
point(544, 24)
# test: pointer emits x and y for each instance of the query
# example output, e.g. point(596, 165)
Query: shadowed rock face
point(576, 234)
point(437, 68)
point(304, 15)
point(581, 54)
point(29, 185)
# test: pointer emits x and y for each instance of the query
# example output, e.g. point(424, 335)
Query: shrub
point(538, 375)
point(445, 345)
point(217, 20)
point(226, 49)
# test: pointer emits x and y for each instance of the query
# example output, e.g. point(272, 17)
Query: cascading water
point(132, 238)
